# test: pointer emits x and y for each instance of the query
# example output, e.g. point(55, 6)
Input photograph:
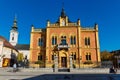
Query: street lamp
point(80, 60)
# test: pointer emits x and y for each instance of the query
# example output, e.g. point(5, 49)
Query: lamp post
point(71, 63)
point(80, 60)
point(55, 63)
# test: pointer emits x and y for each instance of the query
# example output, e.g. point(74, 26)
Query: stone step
point(64, 70)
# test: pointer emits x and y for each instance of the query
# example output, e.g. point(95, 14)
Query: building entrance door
point(63, 61)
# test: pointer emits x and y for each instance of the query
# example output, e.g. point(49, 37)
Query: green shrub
point(53, 66)
point(39, 62)
point(88, 62)
point(74, 66)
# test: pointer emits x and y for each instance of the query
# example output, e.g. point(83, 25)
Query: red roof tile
point(7, 44)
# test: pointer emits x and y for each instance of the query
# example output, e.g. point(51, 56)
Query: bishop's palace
point(65, 44)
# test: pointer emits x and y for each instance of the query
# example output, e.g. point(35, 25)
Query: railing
point(69, 24)
point(72, 24)
point(88, 28)
point(63, 46)
point(53, 25)
point(39, 30)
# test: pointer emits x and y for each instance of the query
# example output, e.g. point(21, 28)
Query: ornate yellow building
point(65, 44)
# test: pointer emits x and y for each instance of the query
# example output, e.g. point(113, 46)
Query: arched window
point(54, 40)
point(40, 42)
point(74, 55)
point(63, 40)
point(71, 40)
point(74, 41)
point(87, 41)
point(88, 56)
point(12, 38)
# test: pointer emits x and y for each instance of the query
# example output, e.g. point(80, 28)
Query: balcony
point(63, 46)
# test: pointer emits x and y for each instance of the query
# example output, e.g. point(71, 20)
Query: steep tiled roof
point(6, 43)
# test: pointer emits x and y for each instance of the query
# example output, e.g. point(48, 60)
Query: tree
point(20, 57)
point(106, 56)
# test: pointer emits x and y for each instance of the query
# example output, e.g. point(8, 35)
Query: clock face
point(63, 22)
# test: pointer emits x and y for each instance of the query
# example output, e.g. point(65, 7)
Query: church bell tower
point(14, 33)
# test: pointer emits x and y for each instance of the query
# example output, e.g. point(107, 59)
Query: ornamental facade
point(65, 44)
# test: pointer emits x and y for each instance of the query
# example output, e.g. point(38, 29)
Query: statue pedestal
point(55, 63)
point(71, 63)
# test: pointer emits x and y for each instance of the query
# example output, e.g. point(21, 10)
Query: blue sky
point(104, 12)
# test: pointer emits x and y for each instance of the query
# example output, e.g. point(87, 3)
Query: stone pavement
point(7, 74)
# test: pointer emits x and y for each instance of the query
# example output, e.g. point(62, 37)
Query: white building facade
point(5, 52)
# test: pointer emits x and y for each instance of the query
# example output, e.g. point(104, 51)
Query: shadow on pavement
point(75, 77)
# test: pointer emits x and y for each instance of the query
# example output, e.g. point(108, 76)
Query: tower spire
point(63, 5)
point(63, 15)
point(14, 32)
point(14, 27)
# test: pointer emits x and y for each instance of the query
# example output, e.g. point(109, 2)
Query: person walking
point(113, 70)
point(14, 67)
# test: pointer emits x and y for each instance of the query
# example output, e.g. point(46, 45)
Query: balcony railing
point(69, 24)
point(88, 28)
point(63, 46)
point(39, 30)
point(72, 24)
